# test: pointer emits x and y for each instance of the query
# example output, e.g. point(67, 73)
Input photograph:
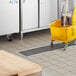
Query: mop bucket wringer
point(63, 34)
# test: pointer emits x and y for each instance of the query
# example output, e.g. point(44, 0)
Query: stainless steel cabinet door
point(30, 14)
point(48, 12)
point(9, 17)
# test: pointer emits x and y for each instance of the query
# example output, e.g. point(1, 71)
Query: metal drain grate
point(43, 49)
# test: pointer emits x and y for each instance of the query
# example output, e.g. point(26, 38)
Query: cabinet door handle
point(14, 1)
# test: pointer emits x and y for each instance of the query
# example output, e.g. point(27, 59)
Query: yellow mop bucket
point(64, 34)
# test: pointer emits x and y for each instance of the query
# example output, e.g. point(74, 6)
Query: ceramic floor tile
point(55, 63)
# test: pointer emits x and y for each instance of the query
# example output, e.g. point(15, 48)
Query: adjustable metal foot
point(21, 35)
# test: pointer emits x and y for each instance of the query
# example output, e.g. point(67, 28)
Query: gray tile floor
point(55, 63)
point(58, 62)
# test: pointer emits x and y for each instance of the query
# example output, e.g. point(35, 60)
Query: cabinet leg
point(21, 35)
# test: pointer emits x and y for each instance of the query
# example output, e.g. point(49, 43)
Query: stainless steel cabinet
point(48, 12)
point(36, 14)
point(9, 17)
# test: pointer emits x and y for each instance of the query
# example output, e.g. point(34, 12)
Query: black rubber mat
point(43, 49)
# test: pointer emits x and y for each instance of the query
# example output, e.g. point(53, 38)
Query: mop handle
point(65, 12)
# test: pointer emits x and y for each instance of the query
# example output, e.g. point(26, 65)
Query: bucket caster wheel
point(9, 37)
point(52, 44)
point(65, 46)
point(74, 42)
